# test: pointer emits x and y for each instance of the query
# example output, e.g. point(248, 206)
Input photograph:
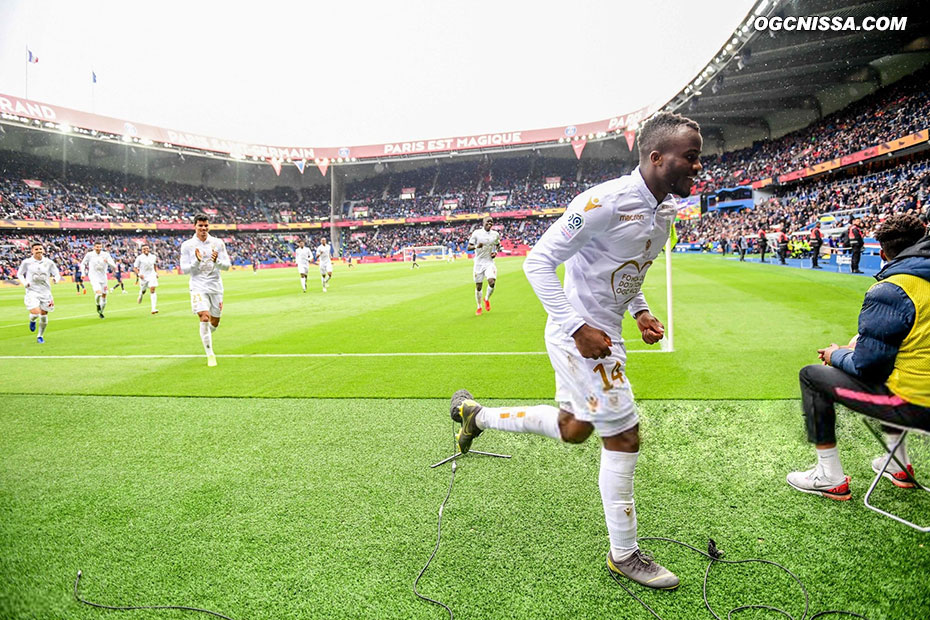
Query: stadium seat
point(905, 430)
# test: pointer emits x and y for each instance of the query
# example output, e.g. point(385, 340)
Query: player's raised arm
point(187, 258)
point(21, 274)
point(222, 257)
point(563, 239)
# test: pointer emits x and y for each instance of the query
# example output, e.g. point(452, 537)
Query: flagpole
point(27, 71)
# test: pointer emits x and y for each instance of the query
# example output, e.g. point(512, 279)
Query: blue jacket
point(886, 318)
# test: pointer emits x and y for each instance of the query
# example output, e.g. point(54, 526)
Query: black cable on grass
point(715, 555)
point(134, 607)
point(438, 538)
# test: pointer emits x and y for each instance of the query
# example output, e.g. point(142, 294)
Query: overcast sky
point(358, 72)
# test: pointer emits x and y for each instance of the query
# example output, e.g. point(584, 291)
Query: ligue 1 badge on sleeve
point(648, 245)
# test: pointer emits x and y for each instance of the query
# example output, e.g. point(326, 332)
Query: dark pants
point(782, 252)
point(762, 250)
point(824, 386)
point(856, 254)
point(815, 255)
point(742, 254)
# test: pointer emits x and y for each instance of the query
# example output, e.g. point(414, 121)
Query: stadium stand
point(514, 186)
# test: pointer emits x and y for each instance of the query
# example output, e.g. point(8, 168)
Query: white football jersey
point(490, 241)
point(607, 238)
point(303, 256)
point(324, 253)
point(145, 263)
point(37, 274)
point(205, 273)
point(95, 265)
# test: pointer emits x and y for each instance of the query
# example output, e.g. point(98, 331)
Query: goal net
point(426, 252)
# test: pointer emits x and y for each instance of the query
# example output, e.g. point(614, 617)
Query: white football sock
point(141, 293)
point(33, 317)
point(323, 280)
point(103, 302)
point(97, 299)
point(43, 322)
point(303, 283)
point(828, 460)
point(490, 292)
point(616, 483)
point(154, 298)
point(539, 420)
point(901, 452)
point(478, 297)
point(206, 336)
point(212, 327)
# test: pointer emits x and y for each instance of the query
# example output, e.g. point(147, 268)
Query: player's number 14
point(616, 374)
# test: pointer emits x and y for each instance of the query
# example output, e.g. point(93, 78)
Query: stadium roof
point(782, 80)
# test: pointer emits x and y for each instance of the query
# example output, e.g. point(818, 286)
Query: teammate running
point(607, 238)
point(203, 257)
point(147, 276)
point(302, 256)
point(324, 258)
point(117, 272)
point(94, 267)
point(34, 274)
point(485, 243)
point(76, 275)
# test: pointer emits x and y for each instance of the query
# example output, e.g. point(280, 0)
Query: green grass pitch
point(298, 487)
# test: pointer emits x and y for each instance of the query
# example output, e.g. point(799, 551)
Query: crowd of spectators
point(263, 248)
point(870, 196)
point(892, 112)
point(33, 188)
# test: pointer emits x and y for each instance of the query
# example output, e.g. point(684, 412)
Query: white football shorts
point(207, 302)
point(99, 285)
point(595, 391)
point(485, 271)
point(33, 300)
point(150, 282)
point(303, 269)
point(326, 268)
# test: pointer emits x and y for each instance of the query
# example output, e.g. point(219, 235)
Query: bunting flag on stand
point(276, 164)
point(323, 165)
point(578, 146)
point(630, 135)
point(300, 163)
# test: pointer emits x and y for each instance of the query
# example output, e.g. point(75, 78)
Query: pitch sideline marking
point(272, 355)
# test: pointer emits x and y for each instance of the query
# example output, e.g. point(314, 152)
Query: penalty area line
point(287, 355)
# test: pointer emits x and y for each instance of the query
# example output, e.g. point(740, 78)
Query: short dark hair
point(659, 128)
point(201, 217)
point(486, 219)
point(899, 232)
point(36, 243)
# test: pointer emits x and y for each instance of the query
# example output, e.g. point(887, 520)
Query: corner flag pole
point(670, 324)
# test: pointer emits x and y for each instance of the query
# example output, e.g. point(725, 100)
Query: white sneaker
point(814, 481)
point(211, 360)
point(898, 476)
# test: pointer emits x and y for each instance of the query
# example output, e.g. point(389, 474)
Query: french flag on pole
point(30, 57)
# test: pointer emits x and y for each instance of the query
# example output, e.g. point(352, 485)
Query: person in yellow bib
point(884, 372)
